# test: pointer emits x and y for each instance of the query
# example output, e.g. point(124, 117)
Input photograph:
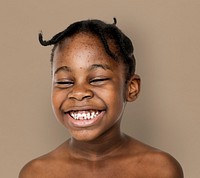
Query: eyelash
point(98, 80)
point(66, 84)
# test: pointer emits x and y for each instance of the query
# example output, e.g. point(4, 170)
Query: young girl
point(93, 77)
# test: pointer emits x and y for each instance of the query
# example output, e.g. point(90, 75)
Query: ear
point(133, 88)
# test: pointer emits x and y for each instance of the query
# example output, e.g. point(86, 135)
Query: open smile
point(84, 118)
point(84, 115)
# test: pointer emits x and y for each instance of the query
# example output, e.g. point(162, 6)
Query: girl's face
point(88, 92)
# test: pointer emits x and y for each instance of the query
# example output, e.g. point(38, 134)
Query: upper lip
point(83, 108)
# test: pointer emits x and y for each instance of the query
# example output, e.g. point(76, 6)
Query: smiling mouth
point(84, 115)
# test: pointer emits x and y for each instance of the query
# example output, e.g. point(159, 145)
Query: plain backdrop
point(166, 36)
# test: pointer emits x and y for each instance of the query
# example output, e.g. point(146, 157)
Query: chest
point(104, 169)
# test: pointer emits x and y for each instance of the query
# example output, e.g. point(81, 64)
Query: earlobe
point(133, 88)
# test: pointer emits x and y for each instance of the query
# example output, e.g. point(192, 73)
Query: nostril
point(80, 94)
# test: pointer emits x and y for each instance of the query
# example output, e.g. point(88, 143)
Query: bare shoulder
point(44, 166)
point(161, 164)
point(168, 166)
point(157, 163)
point(33, 168)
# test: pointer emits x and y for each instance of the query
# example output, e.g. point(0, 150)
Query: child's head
point(108, 34)
point(93, 77)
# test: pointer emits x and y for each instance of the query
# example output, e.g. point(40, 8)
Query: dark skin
point(88, 83)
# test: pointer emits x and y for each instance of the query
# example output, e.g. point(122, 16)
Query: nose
point(80, 93)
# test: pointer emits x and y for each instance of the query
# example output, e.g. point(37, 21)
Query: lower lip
point(84, 123)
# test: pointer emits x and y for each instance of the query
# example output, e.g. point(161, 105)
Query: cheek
point(56, 102)
point(114, 97)
point(57, 99)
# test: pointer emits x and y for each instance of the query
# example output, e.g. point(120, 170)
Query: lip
point(84, 123)
point(83, 108)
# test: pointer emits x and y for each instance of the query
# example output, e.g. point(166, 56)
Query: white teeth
point(84, 115)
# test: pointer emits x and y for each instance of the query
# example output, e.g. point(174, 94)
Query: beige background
point(166, 35)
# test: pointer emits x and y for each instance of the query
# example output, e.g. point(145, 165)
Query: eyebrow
point(63, 68)
point(96, 66)
point(92, 67)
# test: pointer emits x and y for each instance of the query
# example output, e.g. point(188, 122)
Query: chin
point(84, 135)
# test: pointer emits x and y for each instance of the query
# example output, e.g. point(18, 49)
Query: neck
point(106, 145)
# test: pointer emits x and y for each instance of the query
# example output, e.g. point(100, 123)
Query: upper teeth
point(84, 115)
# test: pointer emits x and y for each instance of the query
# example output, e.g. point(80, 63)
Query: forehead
point(85, 46)
point(80, 43)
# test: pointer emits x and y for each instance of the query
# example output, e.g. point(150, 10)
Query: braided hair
point(104, 32)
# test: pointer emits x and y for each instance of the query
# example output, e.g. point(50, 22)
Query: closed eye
point(98, 81)
point(64, 84)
